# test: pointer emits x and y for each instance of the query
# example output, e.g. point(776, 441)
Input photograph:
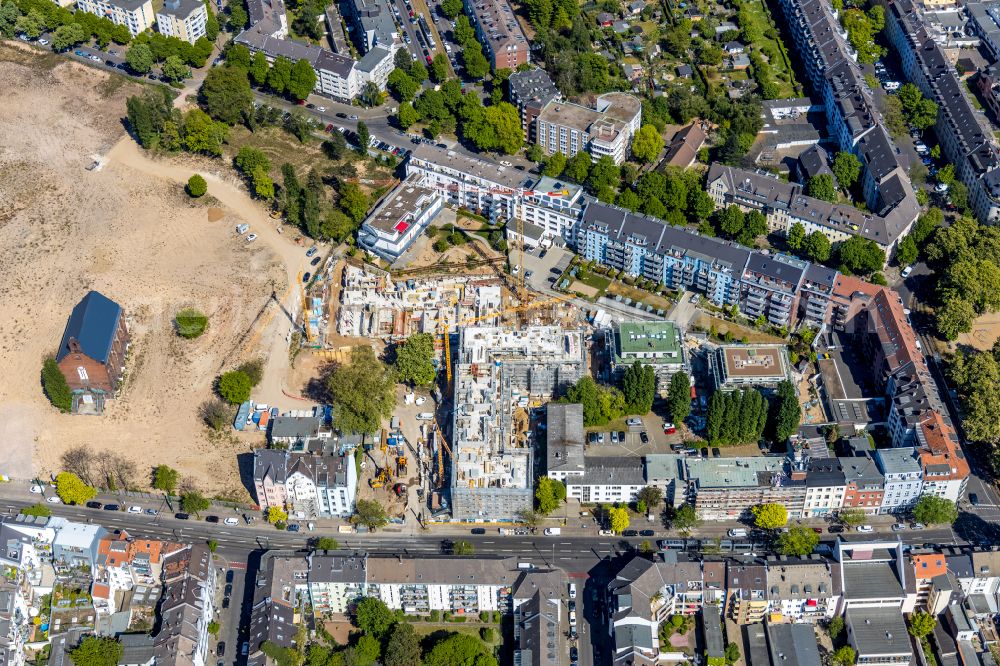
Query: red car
point(329, 128)
point(669, 428)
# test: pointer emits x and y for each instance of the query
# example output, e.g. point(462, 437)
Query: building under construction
point(539, 360)
point(498, 372)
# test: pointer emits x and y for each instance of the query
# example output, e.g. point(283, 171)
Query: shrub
point(435, 616)
point(234, 387)
point(486, 633)
point(253, 369)
point(190, 323)
point(55, 386)
point(196, 187)
point(216, 414)
point(484, 616)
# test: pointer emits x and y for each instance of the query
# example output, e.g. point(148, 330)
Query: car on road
point(315, 261)
point(220, 649)
point(646, 533)
point(606, 533)
point(245, 648)
point(80, 53)
point(36, 489)
point(230, 574)
point(151, 512)
point(182, 516)
point(352, 118)
point(898, 527)
point(231, 521)
point(835, 529)
point(916, 526)
point(211, 519)
point(228, 592)
point(321, 109)
point(112, 507)
point(135, 509)
point(341, 115)
point(225, 602)
point(251, 238)
point(866, 529)
point(94, 505)
point(630, 533)
point(973, 499)
point(479, 530)
point(53, 500)
point(573, 654)
point(293, 528)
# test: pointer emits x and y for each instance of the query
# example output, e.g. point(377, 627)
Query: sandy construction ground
point(129, 231)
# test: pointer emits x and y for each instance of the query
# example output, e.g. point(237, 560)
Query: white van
point(738, 533)
point(425, 416)
point(572, 590)
point(553, 531)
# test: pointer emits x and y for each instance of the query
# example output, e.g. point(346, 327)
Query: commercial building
point(878, 636)
point(825, 487)
point(136, 15)
point(965, 142)
point(742, 366)
point(791, 643)
point(399, 219)
point(311, 484)
point(658, 344)
point(607, 129)
point(564, 443)
point(183, 19)
point(786, 204)
point(530, 91)
point(504, 43)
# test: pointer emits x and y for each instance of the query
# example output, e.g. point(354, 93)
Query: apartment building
point(607, 129)
point(530, 91)
point(786, 204)
point(280, 591)
point(874, 574)
point(186, 608)
point(554, 206)
point(136, 15)
point(400, 218)
point(504, 43)
point(734, 367)
point(946, 471)
point(726, 488)
point(865, 484)
point(414, 585)
point(183, 19)
point(903, 478)
point(373, 24)
point(537, 360)
point(965, 140)
point(659, 344)
point(608, 480)
point(15, 627)
point(338, 75)
point(825, 487)
point(853, 121)
point(801, 589)
point(746, 589)
point(540, 618)
point(930, 579)
point(315, 484)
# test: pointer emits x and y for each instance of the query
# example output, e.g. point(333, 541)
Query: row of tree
point(295, 80)
point(736, 417)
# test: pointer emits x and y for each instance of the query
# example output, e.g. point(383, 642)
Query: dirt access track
point(129, 231)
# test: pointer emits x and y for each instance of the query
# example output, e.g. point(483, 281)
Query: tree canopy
point(618, 519)
point(55, 386)
point(234, 387)
point(601, 403)
point(72, 490)
point(549, 494)
point(822, 187)
point(226, 94)
point(639, 387)
point(647, 143)
point(363, 392)
point(786, 413)
point(369, 513)
point(460, 650)
point(933, 510)
point(414, 360)
point(96, 651)
point(797, 541)
point(679, 397)
point(373, 617)
point(770, 515)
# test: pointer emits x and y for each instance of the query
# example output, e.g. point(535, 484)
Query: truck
point(553, 531)
point(425, 416)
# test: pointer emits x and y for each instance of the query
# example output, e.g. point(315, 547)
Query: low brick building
point(91, 354)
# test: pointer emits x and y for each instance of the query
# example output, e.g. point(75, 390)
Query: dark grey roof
point(337, 569)
point(616, 471)
point(792, 644)
point(824, 472)
point(295, 426)
point(711, 622)
point(93, 324)
point(136, 648)
point(814, 161)
point(564, 437)
point(180, 8)
point(532, 85)
point(777, 267)
point(871, 580)
point(878, 631)
point(369, 62)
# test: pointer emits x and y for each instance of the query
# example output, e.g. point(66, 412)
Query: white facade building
point(400, 219)
point(903, 478)
point(136, 15)
point(183, 19)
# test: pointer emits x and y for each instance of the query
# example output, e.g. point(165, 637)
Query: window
point(82, 371)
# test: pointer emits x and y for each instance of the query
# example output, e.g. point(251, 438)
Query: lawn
point(598, 282)
point(640, 296)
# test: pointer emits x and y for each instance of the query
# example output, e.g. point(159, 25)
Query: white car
point(251, 238)
point(321, 109)
point(865, 529)
point(95, 58)
point(43, 42)
point(53, 500)
point(421, 400)
point(941, 188)
point(242, 228)
point(135, 509)
point(231, 521)
point(906, 273)
point(572, 590)
point(506, 163)
point(36, 489)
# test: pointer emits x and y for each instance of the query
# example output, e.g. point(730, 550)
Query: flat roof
point(398, 211)
point(878, 631)
point(761, 362)
point(658, 337)
point(180, 8)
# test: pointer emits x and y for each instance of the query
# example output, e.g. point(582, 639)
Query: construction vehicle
point(380, 480)
point(400, 465)
point(399, 489)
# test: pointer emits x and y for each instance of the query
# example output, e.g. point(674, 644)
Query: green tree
point(280, 75)
point(403, 646)
point(259, 68)
point(55, 386)
point(439, 68)
point(239, 56)
point(211, 23)
point(554, 165)
point(451, 8)
point(769, 516)
point(817, 247)
point(618, 519)
point(730, 221)
point(958, 195)
point(821, 187)
point(364, 138)
point(785, 412)
point(213, 628)
point(679, 397)
point(685, 518)
point(414, 360)
point(797, 541)
point(190, 323)
point(72, 490)
point(370, 514)
point(907, 251)
point(601, 404)
point(847, 168)
point(836, 627)
point(754, 225)
point(194, 502)
point(67, 36)
point(933, 510)
point(354, 202)
point(402, 86)
point(302, 80)
point(249, 159)
point(647, 143)
point(37, 510)
point(139, 58)
point(406, 116)
point(639, 387)
point(843, 656)
point(549, 493)
point(196, 186)
point(226, 94)
point(237, 17)
point(463, 548)
point(861, 256)
point(165, 478)
point(96, 651)
point(578, 167)
point(364, 392)
point(325, 543)
point(275, 515)
point(796, 237)
point(732, 653)
point(476, 64)
point(922, 624)
point(374, 618)
point(852, 517)
point(460, 650)
point(234, 387)
point(31, 24)
point(202, 134)
point(175, 69)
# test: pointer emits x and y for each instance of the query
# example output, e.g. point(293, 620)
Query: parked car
point(230, 574)
point(866, 529)
point(311, 251)
point(669, 428)
point(630, 533)
point(231, 521)
point(151, 512)
point(479, 530)
point(916, 526)
point(646, 533)
point(973, 499)
point(220, 649)
point(94, 505)
point(293, 528)
point(53, 499)
point(614, 437)
point(251, 238)
point(135, 509)
point(45, 42)
point(182, 516)
point(643, 437)
point(36, 489)
point(211, 519)
point(315, 261)
point(112, 507)
point(306, 277)
point(906, 271)
point(835, 529)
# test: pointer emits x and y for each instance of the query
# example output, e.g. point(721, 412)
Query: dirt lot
point(985, 330)
point(129, 231)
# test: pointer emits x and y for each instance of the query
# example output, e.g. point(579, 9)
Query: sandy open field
point(129, 231)
point(984, 333)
